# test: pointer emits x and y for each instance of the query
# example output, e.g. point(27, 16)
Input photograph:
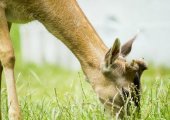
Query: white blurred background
point(111, 19)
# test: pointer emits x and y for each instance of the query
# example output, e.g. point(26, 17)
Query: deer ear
point(113, 53)
point(126, 48)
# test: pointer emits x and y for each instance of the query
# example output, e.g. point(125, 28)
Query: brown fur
point(107, 70)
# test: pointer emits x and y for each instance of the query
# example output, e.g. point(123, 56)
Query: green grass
point(51, 93)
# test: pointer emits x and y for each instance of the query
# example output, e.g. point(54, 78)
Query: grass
point(51, 93)
point(56, 94)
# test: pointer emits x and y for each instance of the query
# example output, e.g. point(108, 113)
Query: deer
point(107, 70)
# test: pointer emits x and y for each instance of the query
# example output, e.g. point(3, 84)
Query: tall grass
point(51, 93)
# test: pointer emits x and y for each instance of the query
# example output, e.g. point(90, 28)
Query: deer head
point(121, 79)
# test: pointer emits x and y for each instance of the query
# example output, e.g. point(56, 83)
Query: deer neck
point(89, 49)
point(87, 46)
point(76, 32)
point(67, 22)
